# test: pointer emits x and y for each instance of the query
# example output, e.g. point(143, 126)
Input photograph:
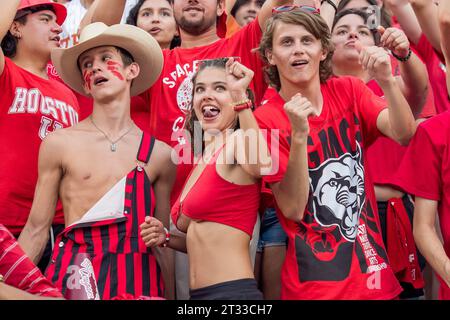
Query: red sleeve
point(420, 170)
point(19, 271)
point(369, 106)
point(242, 44)
point(426, 51)
point(278, 144)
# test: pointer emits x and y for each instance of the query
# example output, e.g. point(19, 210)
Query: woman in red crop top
point(218, 206)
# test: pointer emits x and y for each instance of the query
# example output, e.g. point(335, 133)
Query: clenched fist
point(152, 232)
point(298, 109)
point(395, 40)
point(377, 62)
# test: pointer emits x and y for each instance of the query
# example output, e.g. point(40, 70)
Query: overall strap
point(146, 147)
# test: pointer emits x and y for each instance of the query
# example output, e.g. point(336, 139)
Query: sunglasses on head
point(288, 8)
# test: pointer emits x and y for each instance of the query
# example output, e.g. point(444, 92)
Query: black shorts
point(243, 289)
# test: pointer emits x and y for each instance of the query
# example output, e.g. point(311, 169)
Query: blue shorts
point(271, 232)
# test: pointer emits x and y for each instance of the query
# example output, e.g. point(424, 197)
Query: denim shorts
point(271, 233)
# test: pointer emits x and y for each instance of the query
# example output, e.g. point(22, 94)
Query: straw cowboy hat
point(142, 46)
point(25, 5)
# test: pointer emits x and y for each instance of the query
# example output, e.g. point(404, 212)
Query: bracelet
point(167, 239)
point(331, 3)
point(1, 278)
point(241, 105)
point(402, 59)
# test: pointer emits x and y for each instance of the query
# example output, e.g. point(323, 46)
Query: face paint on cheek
point(112, 66)
point(87, 75)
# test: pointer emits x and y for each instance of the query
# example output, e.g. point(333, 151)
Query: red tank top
point(214, 199)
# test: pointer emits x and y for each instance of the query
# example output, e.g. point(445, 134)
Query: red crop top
point(214, 199)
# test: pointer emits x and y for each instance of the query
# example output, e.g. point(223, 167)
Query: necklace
point(113, 142)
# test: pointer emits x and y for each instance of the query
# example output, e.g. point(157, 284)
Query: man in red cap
point(31, 105)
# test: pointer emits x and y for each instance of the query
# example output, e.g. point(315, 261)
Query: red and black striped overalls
point(121, 261)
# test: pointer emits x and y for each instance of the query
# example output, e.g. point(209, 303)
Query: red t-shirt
point(384, 155)
point(425, 170)
point(170, 97)
point(19, 271)
point(30, 108)
point(436, 73)
point(337, 251)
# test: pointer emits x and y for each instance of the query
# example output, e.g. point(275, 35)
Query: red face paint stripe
point(87, 75)
point(116, 73)
point(112, 63)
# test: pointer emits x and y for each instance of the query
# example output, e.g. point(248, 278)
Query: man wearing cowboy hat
point(107, 172)
point(31, 104)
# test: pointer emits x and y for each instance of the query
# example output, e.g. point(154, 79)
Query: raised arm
point(328, 11)
point(427, 15)
point(427, 239)
point(108, 11)
point(34, 236)
point(405, 15)
point(444, 21)
point(8, 11)
point(266, 10)
point(292, 192)
point(413, 79)
point(396, 122)
point(250, 147)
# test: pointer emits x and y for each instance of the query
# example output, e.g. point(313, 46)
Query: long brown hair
point(196, 133)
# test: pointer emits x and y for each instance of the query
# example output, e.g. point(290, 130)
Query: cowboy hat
point(59, 9)
point(142, 46)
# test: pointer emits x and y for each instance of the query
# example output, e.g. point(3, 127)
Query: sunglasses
point(289, 8)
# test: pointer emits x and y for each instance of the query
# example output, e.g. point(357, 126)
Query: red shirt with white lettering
point(19, 271)
point(425, 172)
point(336, 251)
point(170, 97)
point(30, 108)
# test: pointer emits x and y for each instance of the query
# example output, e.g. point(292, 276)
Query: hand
point(395, 40)
point(298, 109)
point(377, 62)
point(152, 232)
point(238, 79)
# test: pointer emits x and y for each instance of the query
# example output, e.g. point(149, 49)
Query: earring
point(18, 36)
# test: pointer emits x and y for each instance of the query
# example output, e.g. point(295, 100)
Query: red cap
point(60, 10)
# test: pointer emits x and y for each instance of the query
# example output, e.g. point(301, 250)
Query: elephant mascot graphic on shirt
point(326, 236)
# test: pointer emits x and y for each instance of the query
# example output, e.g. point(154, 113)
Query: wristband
point(331, 3)
point(241, 105)
point(167, 239)
point(402, 59)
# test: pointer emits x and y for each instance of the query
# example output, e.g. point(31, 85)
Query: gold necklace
point(113, 142)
